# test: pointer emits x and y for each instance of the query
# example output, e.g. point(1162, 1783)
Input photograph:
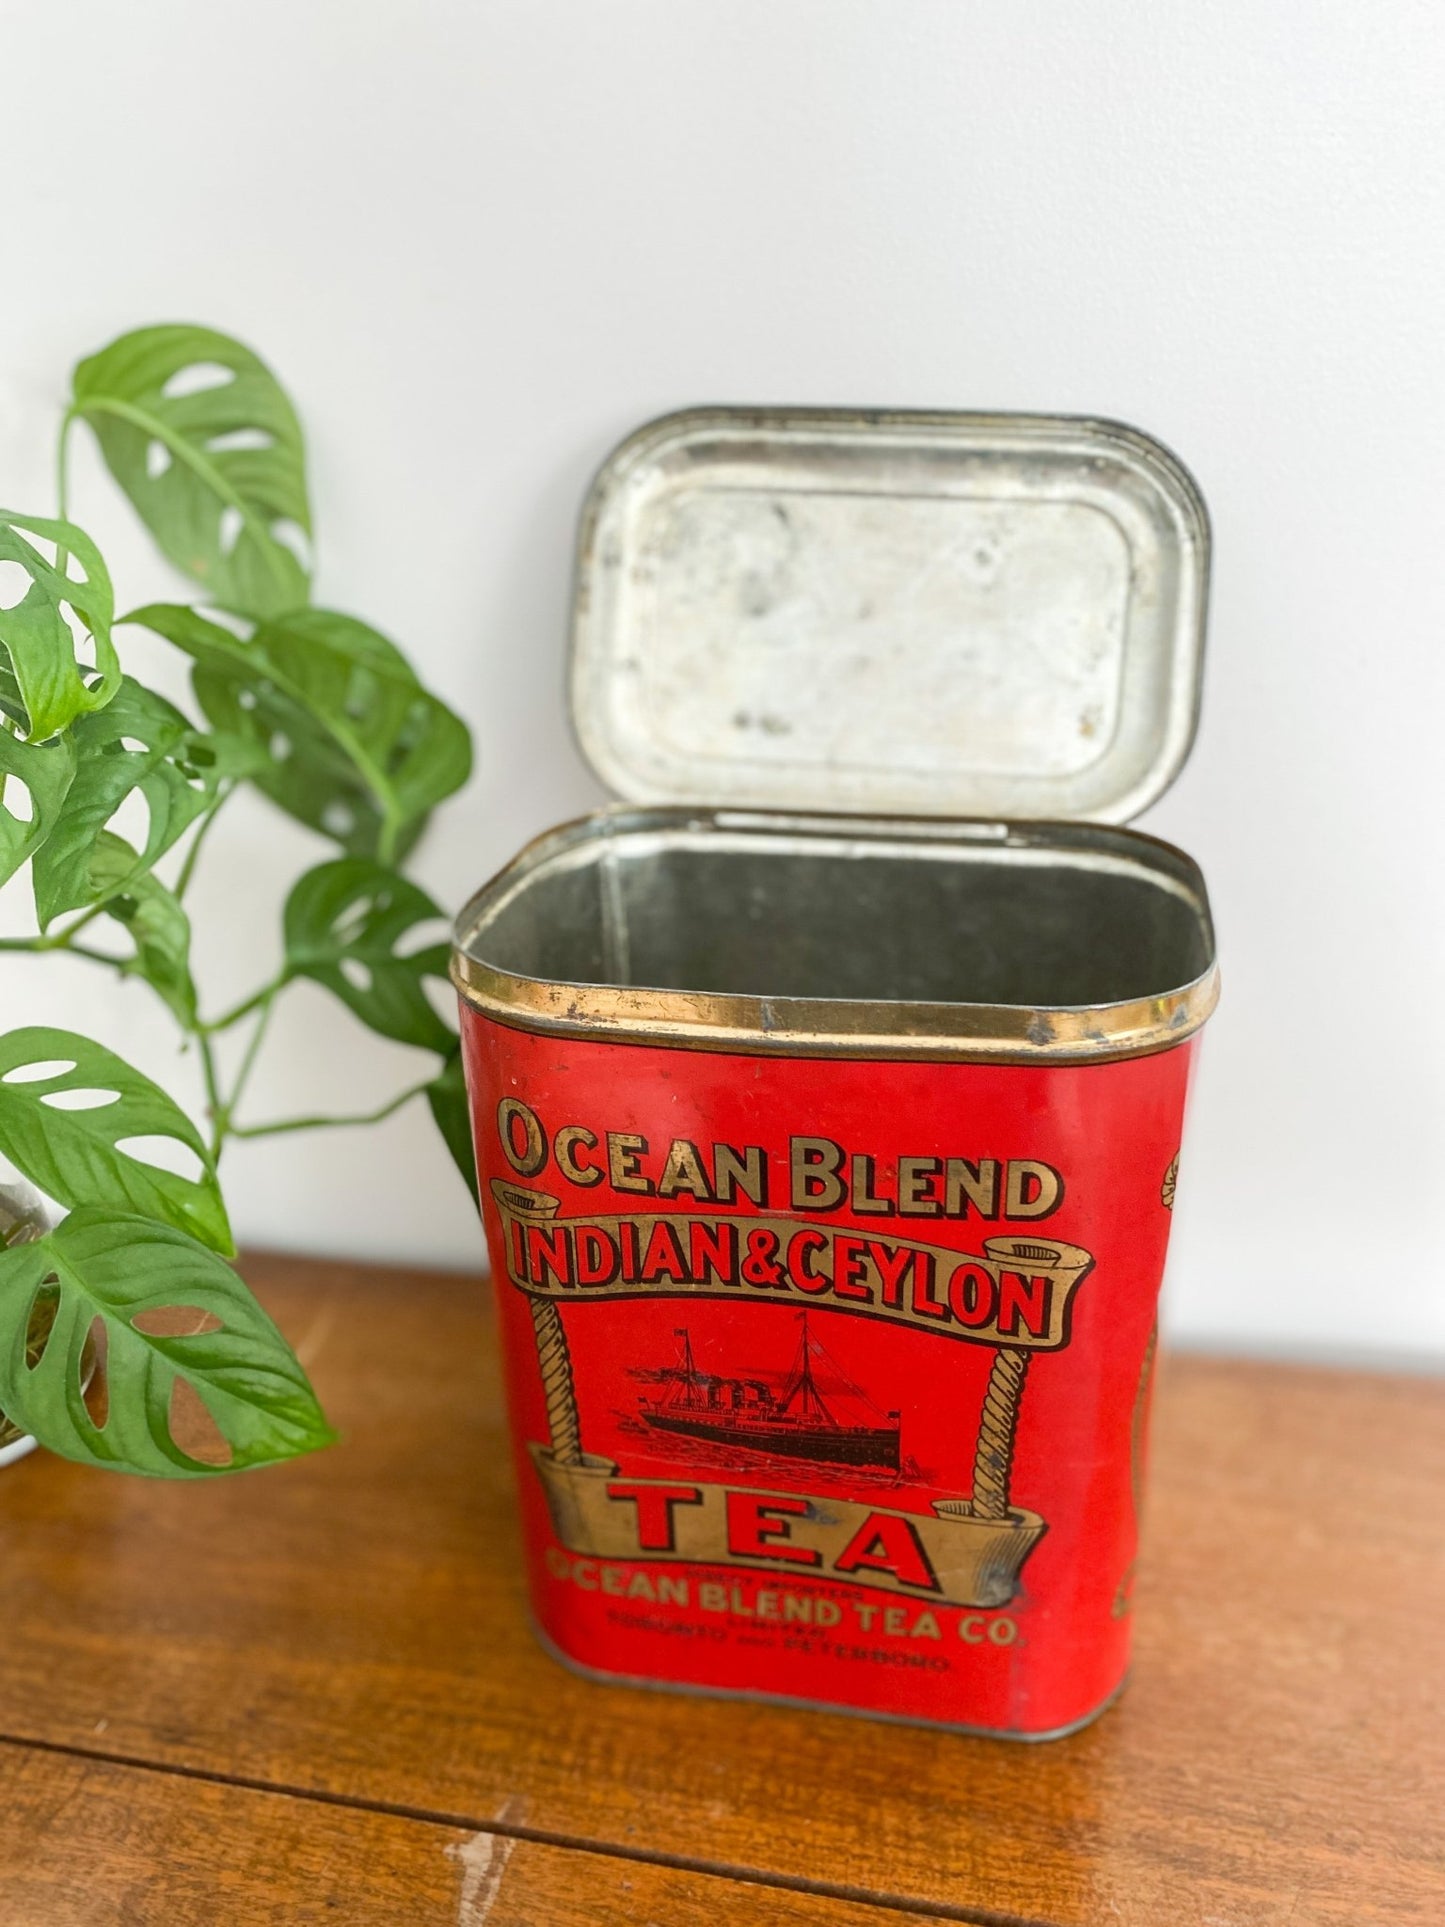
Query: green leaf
point(408, 748)
point(152, 918)
point(221, 756)
point(44, 772)
point(345, 923)
point(134, 1276)
point(43, 684)
point(359, 750)
point(176, 769)
point(216, 474)
point(80, 1156)
point(447, 1096)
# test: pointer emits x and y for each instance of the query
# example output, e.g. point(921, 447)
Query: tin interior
point(891, 614)
point(1040, 916)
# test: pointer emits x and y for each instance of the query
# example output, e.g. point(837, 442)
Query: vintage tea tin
point(827, 1091)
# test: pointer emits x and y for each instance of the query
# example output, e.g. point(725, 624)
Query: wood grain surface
point(84, 1843)
point(353, 1627)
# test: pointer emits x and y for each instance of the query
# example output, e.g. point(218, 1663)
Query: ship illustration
point(794, 1420)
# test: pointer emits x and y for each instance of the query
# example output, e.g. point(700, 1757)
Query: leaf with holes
point(78, 1120)
point(345, 923)
point(408, 748)
point(44, 685)
point(202, 438)
point(139, 742)
point(152, 918)
point(447, 1097)
point(221, 756)
point(34, 779)
point(300, 766)
point(133, 1278)
point(359, 749)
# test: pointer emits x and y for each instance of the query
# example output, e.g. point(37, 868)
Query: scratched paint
point(483, 1861)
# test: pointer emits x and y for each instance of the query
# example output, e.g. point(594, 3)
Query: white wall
point(482, 239)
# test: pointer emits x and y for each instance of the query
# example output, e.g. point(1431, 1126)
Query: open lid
point(940, 615)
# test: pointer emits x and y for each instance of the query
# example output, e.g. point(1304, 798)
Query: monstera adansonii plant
point(120, 1314)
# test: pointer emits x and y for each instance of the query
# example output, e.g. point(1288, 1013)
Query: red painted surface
point(872, 1620)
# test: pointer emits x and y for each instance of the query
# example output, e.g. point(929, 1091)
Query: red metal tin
point(983, 1578)
point(827, 1167)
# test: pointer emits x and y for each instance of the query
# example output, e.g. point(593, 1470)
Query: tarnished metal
point(814, 935)
point(827, 1094)
point(947, 615)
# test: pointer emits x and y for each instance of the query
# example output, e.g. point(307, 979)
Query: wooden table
point(311, 1695)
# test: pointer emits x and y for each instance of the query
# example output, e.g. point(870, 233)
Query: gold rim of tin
point(800, 1027)
point(750, 1025)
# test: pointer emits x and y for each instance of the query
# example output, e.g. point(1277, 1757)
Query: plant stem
point(95, 956)
point(321, 1123)
point(248, 1060)
point(214, 1106)
point(244, 1009)
point(202, 830)
point(62, 488)
point(62, 465)
point(43, 946)
point(61, 938)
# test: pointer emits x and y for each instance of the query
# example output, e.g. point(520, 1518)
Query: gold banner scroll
point(967, 1561)
point(1016, 1292)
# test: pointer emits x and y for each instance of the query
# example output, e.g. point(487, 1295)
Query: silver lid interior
point(943, 615)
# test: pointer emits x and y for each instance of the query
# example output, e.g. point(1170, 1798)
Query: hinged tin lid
point(943, 615)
